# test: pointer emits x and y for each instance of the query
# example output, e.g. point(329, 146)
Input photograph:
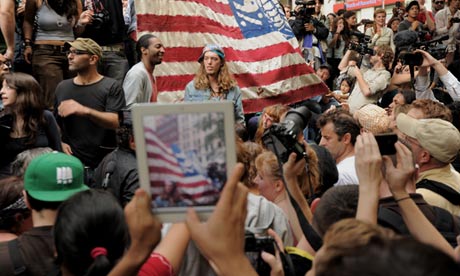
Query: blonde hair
point(377, 11)
point(309, 180)
point(224, 79)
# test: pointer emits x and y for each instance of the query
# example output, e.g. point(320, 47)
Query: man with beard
point(87, 106)
point(139, 84)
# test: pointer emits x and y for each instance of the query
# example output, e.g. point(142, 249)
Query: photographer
point(370, 83)
point(411, 22)
point(310, 31)
point(447, 22)
point(422, 81)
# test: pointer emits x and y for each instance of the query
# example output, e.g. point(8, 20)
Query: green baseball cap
point(54, 177)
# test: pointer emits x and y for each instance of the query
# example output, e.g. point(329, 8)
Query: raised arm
point(7, 25)
point(397, 178)
point(221, 238)
point(368, 163)
point(344, 62)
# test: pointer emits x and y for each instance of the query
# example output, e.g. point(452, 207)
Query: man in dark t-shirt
point(87, 106)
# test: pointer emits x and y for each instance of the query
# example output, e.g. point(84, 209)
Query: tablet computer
point(185, 153)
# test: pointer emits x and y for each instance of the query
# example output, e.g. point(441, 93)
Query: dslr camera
point(281, 138)
point(253, 246)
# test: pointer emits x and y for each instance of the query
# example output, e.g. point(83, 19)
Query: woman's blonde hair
point(224, 79)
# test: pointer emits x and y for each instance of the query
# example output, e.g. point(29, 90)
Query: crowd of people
point(337, 203)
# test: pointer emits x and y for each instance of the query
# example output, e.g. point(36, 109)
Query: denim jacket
point(234, 94)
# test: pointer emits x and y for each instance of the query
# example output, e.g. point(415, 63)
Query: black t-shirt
point(47, 136)
point(89, 141)
point(37, 250)
point(108, 26)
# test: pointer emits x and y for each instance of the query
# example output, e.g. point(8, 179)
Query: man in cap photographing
point(87, 106)
point(49, 180)
point(434, 144)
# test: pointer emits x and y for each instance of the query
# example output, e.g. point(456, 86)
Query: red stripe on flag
point(186, 24)
point(164, 170)
point(249, 80)
point(216, 6)
point(187, 54)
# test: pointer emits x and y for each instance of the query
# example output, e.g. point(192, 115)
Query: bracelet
point(401, 199)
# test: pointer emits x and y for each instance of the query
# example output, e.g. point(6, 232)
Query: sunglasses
point(439, 3)
point(76, 52)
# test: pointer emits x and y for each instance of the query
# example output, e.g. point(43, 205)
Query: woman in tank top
point(47, 26)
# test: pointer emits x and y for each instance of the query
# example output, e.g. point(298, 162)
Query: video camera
point(361, 47)
point(434, 47)
point(282, 138)
point(306, 11)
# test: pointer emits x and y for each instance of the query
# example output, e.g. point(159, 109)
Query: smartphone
point(386, 143)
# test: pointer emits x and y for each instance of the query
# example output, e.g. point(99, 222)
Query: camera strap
point(412, 77)
point(307, 229)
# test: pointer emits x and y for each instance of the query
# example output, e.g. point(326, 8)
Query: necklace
point(216, 94)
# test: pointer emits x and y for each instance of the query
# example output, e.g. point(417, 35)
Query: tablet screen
point(184, 153)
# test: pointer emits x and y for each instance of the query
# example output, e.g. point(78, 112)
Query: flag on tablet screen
point(168, 165)
point(259, 45)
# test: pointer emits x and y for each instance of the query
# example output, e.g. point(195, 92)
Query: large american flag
point(167, 163)
point(259, 45)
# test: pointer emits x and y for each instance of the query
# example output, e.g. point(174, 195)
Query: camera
point(434, 47)
point(281, 138)
point(100, 18)
point(386, 143)
point(306, 11)
point(361, 48)
point(455, 20)
point(253, 246)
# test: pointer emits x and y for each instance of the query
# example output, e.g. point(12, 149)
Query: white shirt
point(347, 172)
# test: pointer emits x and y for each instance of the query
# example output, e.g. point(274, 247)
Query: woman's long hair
point(225, 79)
point(29, 104)
point(344, 34)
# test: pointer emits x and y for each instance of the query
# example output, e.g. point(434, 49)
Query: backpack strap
point(16, 258)
point(441, 189)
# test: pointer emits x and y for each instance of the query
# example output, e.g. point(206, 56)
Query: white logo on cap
point(64, 175)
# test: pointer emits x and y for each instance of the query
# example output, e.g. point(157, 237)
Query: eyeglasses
point(7, 63)
point(439, 3)
point(76, 52)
